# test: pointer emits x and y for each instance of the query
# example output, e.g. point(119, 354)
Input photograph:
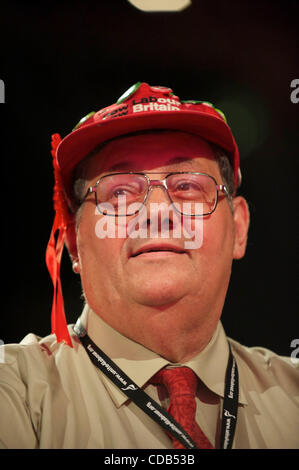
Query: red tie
point(181, 384)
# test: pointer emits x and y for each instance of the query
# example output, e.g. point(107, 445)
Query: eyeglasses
point(124, 194)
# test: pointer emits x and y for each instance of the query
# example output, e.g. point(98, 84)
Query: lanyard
point(152, 408)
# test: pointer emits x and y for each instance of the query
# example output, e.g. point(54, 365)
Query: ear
point(72, 245)
point(241, 218)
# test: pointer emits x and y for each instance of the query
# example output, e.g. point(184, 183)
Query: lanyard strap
point(151, 407)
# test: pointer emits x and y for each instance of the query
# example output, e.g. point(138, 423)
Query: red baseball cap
point(145, 107)
point(142, 107)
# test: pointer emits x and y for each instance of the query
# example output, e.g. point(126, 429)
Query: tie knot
point(179, 381)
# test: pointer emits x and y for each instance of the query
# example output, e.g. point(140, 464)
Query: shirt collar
point(140, 363)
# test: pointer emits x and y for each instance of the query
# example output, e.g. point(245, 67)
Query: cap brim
point(77, 145)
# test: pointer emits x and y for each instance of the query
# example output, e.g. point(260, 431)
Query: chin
point(157, 302)
point(158, 296)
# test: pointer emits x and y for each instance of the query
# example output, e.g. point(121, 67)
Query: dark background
point(61, 60)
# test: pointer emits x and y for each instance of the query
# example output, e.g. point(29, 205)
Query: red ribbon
point(55, 249)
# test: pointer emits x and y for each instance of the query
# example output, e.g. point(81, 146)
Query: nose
point(160, 215)
point(156, 195)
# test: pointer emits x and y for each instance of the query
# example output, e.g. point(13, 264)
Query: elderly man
point(146, 202)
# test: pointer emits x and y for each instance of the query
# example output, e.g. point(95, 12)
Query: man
point(146, 203)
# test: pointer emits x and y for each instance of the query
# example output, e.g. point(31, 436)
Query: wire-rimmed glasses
point(125, 193)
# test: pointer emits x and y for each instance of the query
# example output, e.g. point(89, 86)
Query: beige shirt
point(52, 396)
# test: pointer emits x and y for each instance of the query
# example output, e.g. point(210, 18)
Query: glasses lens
point(192, 194)
point(119, 193)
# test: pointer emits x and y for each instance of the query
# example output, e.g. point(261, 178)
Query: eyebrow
point(127, 165)
point(120, 166)
point(179, 159)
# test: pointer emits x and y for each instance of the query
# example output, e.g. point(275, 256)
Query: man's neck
point(166, 331)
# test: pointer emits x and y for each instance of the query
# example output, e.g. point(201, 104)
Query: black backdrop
point(61, 60)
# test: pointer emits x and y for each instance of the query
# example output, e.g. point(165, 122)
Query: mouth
point(157, 250)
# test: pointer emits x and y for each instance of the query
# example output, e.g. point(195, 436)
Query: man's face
point(139, 295)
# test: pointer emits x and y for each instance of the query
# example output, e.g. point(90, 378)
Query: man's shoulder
point(260, 361)
point(34, 355)
point(34, 343)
